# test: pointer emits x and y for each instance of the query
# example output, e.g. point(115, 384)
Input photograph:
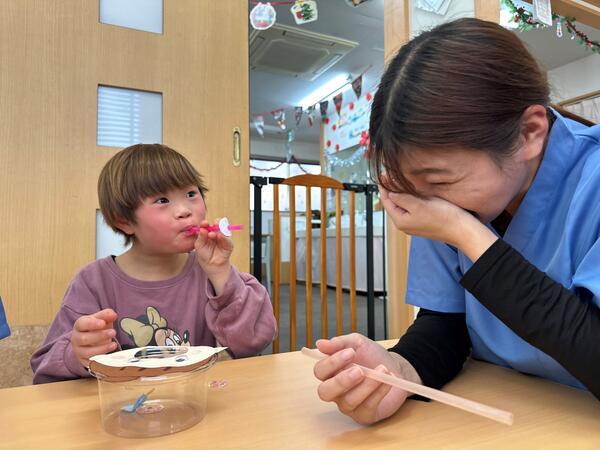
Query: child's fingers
point(92, 338)
point(88, 352)
point(89, 323)
point(108, 315)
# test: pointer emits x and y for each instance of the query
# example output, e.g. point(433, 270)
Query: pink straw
point(215, 228)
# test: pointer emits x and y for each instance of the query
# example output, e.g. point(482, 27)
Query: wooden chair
point(324, 183)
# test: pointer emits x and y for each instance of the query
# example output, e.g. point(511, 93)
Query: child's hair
point(138, 172)
point(465, 83)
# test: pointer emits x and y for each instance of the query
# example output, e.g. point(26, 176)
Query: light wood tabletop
point(271, 402)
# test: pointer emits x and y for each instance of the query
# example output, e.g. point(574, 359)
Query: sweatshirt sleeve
point(241, 318)
point(55, 360)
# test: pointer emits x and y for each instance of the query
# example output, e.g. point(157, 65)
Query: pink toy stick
point(223, 227)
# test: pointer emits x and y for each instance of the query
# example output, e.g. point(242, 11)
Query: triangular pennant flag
point(323, 105)
point(310, 115)
point(357, 86)
point(337, 101)
point(279, 116)
point(259, 124)
point(298, 114)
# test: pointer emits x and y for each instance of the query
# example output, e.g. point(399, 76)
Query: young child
point(160, 291)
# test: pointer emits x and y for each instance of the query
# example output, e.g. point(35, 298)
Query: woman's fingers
point(333, 388)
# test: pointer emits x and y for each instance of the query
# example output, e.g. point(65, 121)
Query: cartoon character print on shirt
point(152, 329)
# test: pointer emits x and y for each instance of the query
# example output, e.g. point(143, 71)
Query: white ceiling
point(364, 24)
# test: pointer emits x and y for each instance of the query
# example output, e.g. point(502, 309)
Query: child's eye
point(162, 200)
point(192, 194)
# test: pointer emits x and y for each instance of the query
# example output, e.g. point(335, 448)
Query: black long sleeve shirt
point(563, 324)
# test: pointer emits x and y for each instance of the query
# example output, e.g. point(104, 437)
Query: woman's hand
point(363, 399)
point(437, 219)
point(214, 251)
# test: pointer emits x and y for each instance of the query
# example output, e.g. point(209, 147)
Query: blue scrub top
point(556, 228)
point(4, 330)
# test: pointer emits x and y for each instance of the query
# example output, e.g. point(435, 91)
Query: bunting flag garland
point(279, 116)
point(324, 105)
point(310, 115)
point(259, 124)
point(337, 101)
point(298, 114)
point(357, 86)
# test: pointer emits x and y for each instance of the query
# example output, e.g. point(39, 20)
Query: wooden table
point(270, 402)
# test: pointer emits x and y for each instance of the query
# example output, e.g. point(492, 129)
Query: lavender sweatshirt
point(183, 310)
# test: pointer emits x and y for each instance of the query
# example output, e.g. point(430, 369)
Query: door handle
point(237, 147)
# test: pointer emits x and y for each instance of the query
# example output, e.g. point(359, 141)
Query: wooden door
point(53, 56)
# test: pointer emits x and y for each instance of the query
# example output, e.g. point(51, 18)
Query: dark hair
point(464, 83)
point(138, 172)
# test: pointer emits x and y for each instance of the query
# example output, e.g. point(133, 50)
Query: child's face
point(162, 220)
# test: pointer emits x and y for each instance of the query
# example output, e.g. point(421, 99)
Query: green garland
point(525, 21)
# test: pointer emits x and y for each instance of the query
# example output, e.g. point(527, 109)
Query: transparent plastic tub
point(154, 406)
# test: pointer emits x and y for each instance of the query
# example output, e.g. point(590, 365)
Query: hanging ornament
point(262, 16)
point(355, 2)
point(304, 11)
point(298, 114)
point(337, 101)
point(291, 136)
point(559, 32)
point(357, 86)
point(310, 115)
point(259, 124)
point(323, 105)
point(279, 116)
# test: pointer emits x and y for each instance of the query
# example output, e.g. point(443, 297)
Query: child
point(160, 291)
point(500, 191)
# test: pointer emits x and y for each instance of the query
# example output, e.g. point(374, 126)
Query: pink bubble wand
point(223, 227)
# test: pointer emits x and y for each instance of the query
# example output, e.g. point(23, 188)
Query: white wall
point(576, 78)
point(269, 147)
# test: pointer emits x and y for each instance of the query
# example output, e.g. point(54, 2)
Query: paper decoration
point(542, 12)
point(279, 116)
point(304, 11)
point(262, 16)
point(357, 86)
point(337, 101)
point(259, 124)
point(439, 7)
point(298, 114)
point(324, 105)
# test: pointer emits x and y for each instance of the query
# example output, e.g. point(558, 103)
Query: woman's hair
point(138, 172)
point(464, 83)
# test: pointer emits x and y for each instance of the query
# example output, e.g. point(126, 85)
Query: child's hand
point(92, 335)
point(214, 250)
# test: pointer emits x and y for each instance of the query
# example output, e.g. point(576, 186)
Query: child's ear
point(125, 226)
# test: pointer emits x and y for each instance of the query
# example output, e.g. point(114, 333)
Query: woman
point(503, 194)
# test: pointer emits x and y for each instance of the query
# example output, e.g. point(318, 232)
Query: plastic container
point(154, 406)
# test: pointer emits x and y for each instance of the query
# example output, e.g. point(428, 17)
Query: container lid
point(151, 361)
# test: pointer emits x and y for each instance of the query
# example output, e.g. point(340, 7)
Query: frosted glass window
point(145, 15)
point(128, 116)
point(107, 241)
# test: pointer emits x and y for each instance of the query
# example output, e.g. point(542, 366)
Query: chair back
point(309, 181)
